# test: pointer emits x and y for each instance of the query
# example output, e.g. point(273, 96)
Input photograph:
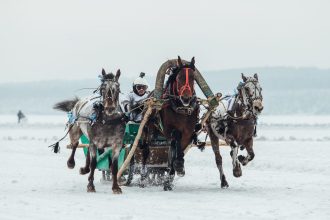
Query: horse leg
point(218, 159)
point(169, 176)
point(145, 154)
point(71, 163)
point(90, 186)
point(237, 172)
point(178, 162)
point(84, 170)
point(168, 180)
point(75, 134)
point(114, 169)
point(250, 153)
point(144, 169)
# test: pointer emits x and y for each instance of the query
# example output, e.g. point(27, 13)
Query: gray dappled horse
point(236, 125)
point(106, 130)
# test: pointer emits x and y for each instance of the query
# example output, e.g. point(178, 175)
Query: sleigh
point(157, 162)
point(161, 157)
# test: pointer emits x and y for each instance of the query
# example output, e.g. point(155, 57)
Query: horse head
point(110, 91)
point(250, 91)
point(184, 81)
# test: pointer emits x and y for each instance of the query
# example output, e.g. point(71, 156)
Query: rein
point(242, 117)
point(250, 99)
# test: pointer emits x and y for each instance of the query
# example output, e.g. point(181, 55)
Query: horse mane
point(171, 79)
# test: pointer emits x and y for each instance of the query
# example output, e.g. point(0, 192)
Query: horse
point(101, 122)
point(176, 120)
point(236, 125)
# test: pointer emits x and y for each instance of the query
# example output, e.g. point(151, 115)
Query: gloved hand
point(137, 107)
point(134, 106)
point(126, 107)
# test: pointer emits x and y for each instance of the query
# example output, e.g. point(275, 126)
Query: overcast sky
point(63, 39)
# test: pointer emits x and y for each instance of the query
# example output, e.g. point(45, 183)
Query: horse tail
point(66, 105)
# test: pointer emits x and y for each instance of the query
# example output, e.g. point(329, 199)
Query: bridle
point(257, 88)
point(178, 91)
point(106, 90)
point(186, 86)
point(246, 99)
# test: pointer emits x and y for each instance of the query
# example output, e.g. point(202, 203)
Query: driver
point(133, 102)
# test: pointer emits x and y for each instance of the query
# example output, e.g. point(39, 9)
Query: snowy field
point(288, 179)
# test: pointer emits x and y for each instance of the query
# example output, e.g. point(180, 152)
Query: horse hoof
point(180, 173)
point(179, 168)
point(224, 183)
point(91, 189)
point(71, 164)
point(142, 185)
point(83, 170)
point(168, 187)
point(240, 158)
point(237, 172)
point(142, 182)
point(117, 191)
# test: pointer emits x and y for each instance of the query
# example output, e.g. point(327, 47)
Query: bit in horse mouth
point(185, 100)
point(108, 111)
point(258, 109)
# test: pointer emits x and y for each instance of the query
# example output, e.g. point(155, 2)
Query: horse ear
point(103, 72)
point(256, 76)
point(244, 78)
point(179, 61)
point(192, 62)
point(118, 74)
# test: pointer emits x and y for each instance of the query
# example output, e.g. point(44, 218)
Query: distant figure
point(20, 116)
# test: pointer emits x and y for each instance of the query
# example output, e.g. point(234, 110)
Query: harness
point(174, 93)
point(186, 86)
point(242, 112)
point(98, 108)
point(248, 99)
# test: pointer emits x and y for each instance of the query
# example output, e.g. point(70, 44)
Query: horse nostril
point(258, 108)
point(110, 109)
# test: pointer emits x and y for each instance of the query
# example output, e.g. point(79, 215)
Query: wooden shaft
point(208, 144)
point(136, 141)
point(206, 116)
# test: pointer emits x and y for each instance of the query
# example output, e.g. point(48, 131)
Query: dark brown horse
point(234, 121)
point(101, 122)
point(176, 120)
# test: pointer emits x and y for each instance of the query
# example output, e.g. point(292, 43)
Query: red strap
point(186, 85)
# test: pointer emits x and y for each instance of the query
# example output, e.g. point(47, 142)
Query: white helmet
point(141, 81)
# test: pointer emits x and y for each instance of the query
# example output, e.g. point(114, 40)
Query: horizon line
point(153, 75)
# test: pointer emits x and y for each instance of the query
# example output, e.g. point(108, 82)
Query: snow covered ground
point(288, 179)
